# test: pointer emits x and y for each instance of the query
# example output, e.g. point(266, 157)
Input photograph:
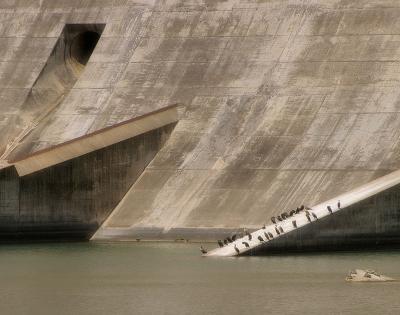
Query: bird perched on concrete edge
point(314, 215)
point(249, 235)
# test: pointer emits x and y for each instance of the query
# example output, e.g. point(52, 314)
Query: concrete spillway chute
point(251, 244)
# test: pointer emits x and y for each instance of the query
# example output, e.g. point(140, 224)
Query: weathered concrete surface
point(71, 199)
point(287, 102)
point(375, 222)
point(96, 140)
point(372, 223)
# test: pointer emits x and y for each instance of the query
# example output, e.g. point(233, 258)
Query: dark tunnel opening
point(83, 45)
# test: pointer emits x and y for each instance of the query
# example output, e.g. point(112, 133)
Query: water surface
point(172, 278)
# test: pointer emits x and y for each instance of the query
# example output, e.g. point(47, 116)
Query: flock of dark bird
point(278, 229)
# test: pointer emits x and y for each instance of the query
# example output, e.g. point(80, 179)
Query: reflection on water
point(161, 278)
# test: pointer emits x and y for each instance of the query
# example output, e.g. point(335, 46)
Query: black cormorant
point(270, 235)
point(294, 223)
point(281, 229)
point(236, 249)
point(314, 215)
point(260, 238)
point(308, 217)
point(329, 209)
point(279, 218)
point(338, 204)
point(292, 212)
point(246, 244)
point(203, 251)
point(225, 242)
point(234, 237)
point(220, 243)
point(229, 239)
point(249, 235)
point(277, 231)
point(273, 220)
point(266, 236)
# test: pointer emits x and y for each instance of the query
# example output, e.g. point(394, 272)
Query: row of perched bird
point(291, 213)
point(278, 229)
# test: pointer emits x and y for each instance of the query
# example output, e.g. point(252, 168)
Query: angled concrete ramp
point(320, 213)
point(94, 141)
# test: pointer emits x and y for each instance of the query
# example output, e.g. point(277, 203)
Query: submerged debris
point(368, 275)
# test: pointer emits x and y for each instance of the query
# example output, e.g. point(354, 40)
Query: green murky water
point(160, 278)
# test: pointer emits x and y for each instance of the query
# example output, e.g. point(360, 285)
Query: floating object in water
point(360, 275)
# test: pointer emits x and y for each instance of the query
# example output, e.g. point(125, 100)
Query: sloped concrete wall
point(372, 223)
point(70, 200)
point(287, 102)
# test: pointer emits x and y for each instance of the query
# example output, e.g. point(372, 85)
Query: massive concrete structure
point(282, 103)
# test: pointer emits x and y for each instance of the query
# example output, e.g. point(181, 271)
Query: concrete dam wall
point(283, 103)
point(72, 199)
